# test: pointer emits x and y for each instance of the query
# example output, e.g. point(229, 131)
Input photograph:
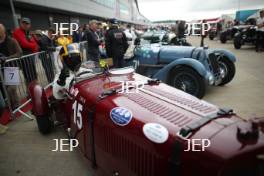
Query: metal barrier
point(17, 73)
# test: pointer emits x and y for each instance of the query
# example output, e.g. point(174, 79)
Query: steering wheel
point(78, 75)
point(83, 73)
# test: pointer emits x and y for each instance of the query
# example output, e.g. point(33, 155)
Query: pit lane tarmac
point(25, 152)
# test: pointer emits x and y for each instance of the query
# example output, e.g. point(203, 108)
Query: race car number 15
point(77, 114)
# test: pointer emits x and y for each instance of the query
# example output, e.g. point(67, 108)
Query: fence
point(17, 73)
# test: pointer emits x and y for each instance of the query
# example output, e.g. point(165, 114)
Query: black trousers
point(118, 61)
point(260, 40)
point(94, 57)
point(202, 41)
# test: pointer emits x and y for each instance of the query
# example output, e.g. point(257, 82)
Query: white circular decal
point(156, 132)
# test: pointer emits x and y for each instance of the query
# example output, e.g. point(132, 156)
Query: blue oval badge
point(121, 116)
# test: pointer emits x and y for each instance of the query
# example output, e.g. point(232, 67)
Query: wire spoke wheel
point(188, 80)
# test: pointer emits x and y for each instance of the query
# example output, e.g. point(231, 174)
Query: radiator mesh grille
point(139, 160)
point(169, 114)
point(199, 106)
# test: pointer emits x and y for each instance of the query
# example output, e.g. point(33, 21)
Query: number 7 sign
point(11, 75)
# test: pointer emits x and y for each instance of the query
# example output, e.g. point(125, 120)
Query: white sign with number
point(77, 116)
point(11, 75)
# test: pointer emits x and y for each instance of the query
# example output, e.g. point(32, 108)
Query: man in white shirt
point(260, 31)
point(131, 37)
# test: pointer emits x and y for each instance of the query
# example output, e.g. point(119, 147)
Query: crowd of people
point(23, 41)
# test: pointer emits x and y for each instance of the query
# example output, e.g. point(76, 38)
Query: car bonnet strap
point(188, 129)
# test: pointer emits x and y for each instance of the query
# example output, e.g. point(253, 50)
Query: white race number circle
point(156, 132)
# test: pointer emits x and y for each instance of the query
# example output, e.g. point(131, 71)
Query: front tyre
point(45, 124)
point(229, 69)
point(188, 80)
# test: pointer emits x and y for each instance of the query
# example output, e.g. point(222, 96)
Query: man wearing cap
point(22, 35)
point(93, 41)
point(260, 31)
point(116, 44)
point(29, 46)
point(45, 42)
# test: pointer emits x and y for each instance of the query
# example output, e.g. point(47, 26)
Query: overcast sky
point(193, 9)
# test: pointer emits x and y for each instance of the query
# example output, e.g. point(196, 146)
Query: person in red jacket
point(29, 46)
point(22, 35)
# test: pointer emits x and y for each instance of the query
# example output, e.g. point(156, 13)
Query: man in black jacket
point(93, 40)
point(116, 44)
point(181, 29)
point(47, 42)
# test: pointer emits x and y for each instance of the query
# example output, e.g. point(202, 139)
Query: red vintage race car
point(154, 131)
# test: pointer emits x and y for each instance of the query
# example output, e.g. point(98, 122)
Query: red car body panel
point(127, 151)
